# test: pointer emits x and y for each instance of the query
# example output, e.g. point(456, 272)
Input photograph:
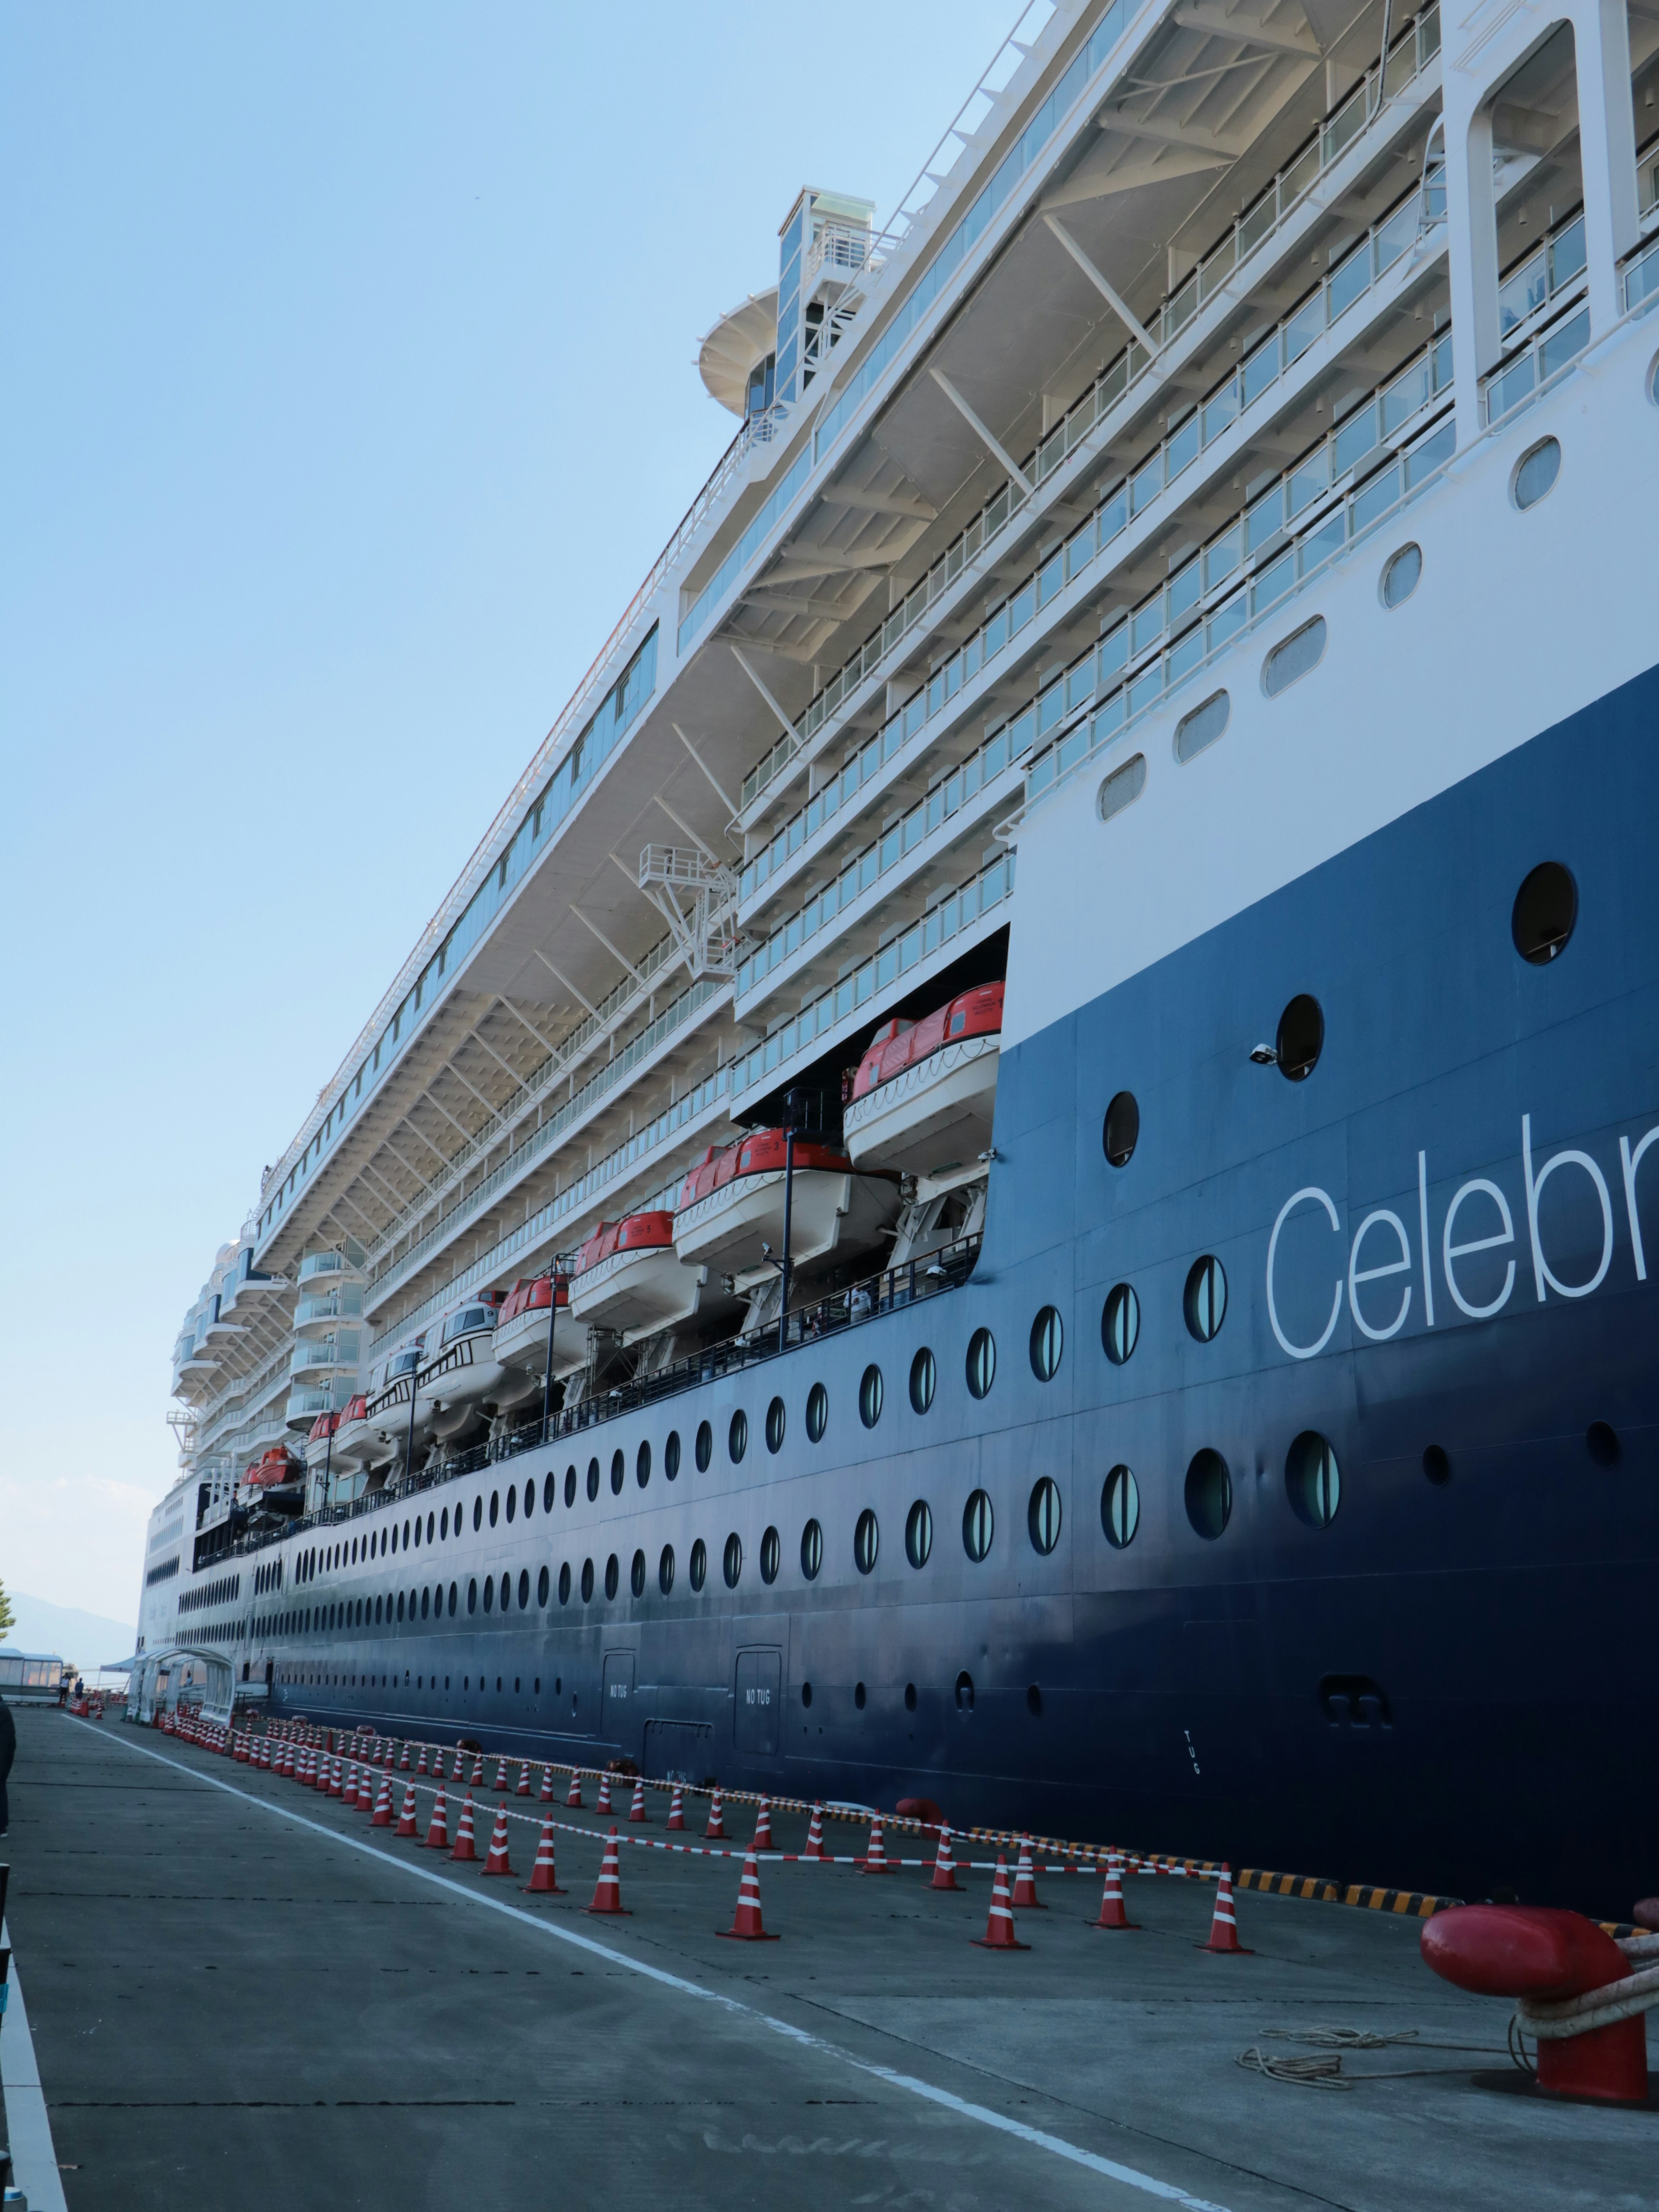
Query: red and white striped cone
point(944, 1867)
point(362, 1797)
point(464, 1850)
point(815, 1835)
point(716, 1832)
point(875, 1857)
point(497, 1860)
point(305, 1771)
point(421, 1766)
point(677, 1809)
point(403, 1764)
point(999, 1927)
point(603, 1803)
point(1223, 1928)
point(763, 1841)
point(437, 1836)
point(636, 1811)
point(1025, 1898)
point(336, 1787)
point(381, 1817)
point(746, 1926)
point(500, 1775)
point(607, 1891)
point(543, 1875)
point(286, 1765)
point(523, 1790)
point(409, 1825)
point(1113, 1912)
point(477, 1781)
point(545, 1796)
point(574, 1794)
point(460, 1765)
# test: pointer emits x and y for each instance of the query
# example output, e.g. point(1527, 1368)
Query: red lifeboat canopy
point(762, 1152)
point(898, 1045)
point(275, 1467)
point(531, 1292)
point(356, 1409)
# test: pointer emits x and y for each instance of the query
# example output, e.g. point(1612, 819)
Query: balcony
point(345, 1302)
point(316, 1265)
point(338, 1355)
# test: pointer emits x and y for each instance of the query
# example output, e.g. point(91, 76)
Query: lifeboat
point(629, 1277)
point(461, 1377)
point(729, 1215)
point(276, 1481)
point(521, 1331)
point(926, 1091)
point(354, 1443)
point(320, 1451)
point(386, 1412)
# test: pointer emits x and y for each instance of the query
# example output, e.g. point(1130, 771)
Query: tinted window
point(866, 1541)
point(817, 1412)
point(870, 1396)
point(1209, 1494)
point(1121, 1131)
point(736, 1440)
point(1042, 1515)
point(642, 1464)
point(771, 1553)
point(1205, 1302)
point(636, 1575)
point(618, 1470)
point(924, 1375)
point(1120, 1324)
point(1300, 1039)
point(981, 1362)
point(1545, 908)
point(612, 1576)
point(699, 1563)
point(1313, 1482)
point(1047, 1339)
point(732, 1564)
point(1120, 1507)
point(705, 1446)
point(811, 1550)
point(918, 1534)
point(978, 1524)
point(670, 1454)
point(774, 1425)
point(665, 1570)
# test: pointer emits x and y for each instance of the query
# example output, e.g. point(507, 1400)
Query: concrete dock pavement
point(243, 1995)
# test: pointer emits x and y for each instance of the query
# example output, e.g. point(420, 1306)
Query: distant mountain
point(90, 1639)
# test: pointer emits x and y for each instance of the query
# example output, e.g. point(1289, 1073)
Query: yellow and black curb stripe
point(1289, 1884)
point(1412, 1903)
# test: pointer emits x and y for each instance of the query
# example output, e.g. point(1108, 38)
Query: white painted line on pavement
point(33, 2157)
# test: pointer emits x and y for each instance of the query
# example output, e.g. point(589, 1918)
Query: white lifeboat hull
point(639, 1293)
point(522, 1347)
point(354, 1443)
point(831, 1212)
point(459, 1382)
point(932, 1117)
point(387, 1421)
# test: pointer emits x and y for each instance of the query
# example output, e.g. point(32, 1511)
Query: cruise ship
point(1017, 1172)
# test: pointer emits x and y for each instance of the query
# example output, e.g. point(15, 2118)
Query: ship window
point(377, 1613)
point(705, 1446)
point(670, 1455)
point(1437, 1465)
point(1120, 1324)
point(981, 1362)
point(771, 1554)
point(774, 1419)
point(699, 1563)
point(1121, 1131)
point(866, 1541)
point(1301, 1038)
point(512, 1506)
point(593, 1479)
point(965, 1693)
point(529, 1498)
point(550, 1491)
point(860, 1695)
point(737, 1436)
point(1546, 909)
point(665, 1570)
point(1119, 1507)
point(1047, 1341)
point(1205, 1301)
point(1122, 787)
point(443, 1525)
point(587, 1581)
point(1535, 472)
point(870, 1396)
point(817, 1412)
point(569, 1487)
point(806, 1694)
point(524, 1588)
point(490, 1594)
point(541, 1588)
point(472, 1596)
point(1402, 572)
point(612, 1576)
point(1602, 1442)
point(642, 1463)
point(618, 1470)
point(1201, 727)
point(454, 1595)
point(1042, 1515)
point(924, 1375)
point(478, 1512)
point(811, 1551)
point(978, 1525)
point(429, 1530)
point(1304, 649)
point(636, 1575)
point(919, 1532)
point(1313, 1482)
point(732, 1560)
point(1209, 1493)
point(564, 1583)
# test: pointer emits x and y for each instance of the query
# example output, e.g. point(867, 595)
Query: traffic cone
point(497, 1860)
point(636, 1811)
point(944, 1867)
point(574, 1795)
point(607, 1891)
point(403, 1764)
point(305, 1769)
point(1113, 1912)
point(677, 1809)
point(999, 1927)
point(477, 1781)
point(1025, 1898)
point(382, 1816)
point(500, 1774)
point(546, 1793)
point(523, 1790)
point(763, 1841)
point(746, 1926)
point(1223, 1928)
point(336, 1788)
point(464, 1850)
point(543, 1875)
point(437, 1836)
point(603, 1803)
point(409, 1826)
point(716, 1829)
point(421, 1766)
point(460, 1763)
point(875, 1857)
point(815, 1835)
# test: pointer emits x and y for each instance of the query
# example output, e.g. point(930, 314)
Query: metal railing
point(1530, 284)
point(1527, 375)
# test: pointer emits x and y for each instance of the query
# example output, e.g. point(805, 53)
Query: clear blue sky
point(347, 357)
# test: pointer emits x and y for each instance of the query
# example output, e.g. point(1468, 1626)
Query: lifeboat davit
point(629, 1277)
point(462, 1379)
point(731, 1207)
point(521, 1334)
point(926, 1091)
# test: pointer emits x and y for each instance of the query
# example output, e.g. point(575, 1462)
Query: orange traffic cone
point(746, 1923)
point(460, 1764)
point(944, 1867)
point(1223, 1928)
point(437, 1836)
point(764, 1826)
point(677, 1809)
point(420, 1764)
point(602, 1805)
point(543, 1875)
point(408, 1824)
point(716, 1829)
point(875, 1857)
point(403, 1764)
point(1113, 1912)
point(1025, 1898)
point(546, 1795)
point(815, 1835)
point(999, 1928)
point(523, 1790)
point(500, 1774)
point(607, 1891)
point(464, 1850)
point(382, 1816)
point(336, 1788)
point(636, 1811)
point(477, 1781)
point(497, 1860)
point(573, 1796)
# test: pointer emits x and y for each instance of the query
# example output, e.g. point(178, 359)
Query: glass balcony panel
point(1183, 589)
point(1146, 626)
point(1182, 447)
point(1259, 371)
point(1348, 280)
point(1356, 438)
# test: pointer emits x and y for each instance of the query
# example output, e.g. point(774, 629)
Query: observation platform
point(241, 1992)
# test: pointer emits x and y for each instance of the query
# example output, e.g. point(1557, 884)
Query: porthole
point(978, 1525)
point(909, 1697)
point(587, 1581)
point(593, 1479)
point(550, 1492)
point(981, 1363)
point(705, 1450)
point(732, 1562)
point(670, 1455)
point(1121, 787)
point(1121, 1131)
point(775, 1425)
point(1047, 1341)
point(811, 1551)
point(870, 1396)
point(1544, 914)
point(1205, 1300)
point(478, 1514)
point(665, 1570)
point(1300, 1038)
point(471, 1595)
point(511, 1504)
point(612, 1576)
point(541, 1589)
point(642, 1463)
point(807, 1694)
point(866, 1541)
point(1120, 1324)
point(965, 1693)
point(1202, 726)
point(919, 1532)
point(1437, 1465)
point(737, 1436)
point(1034, 1699)
point(1119, 1507)
point(1402, 572)
point(818, 1413)
point(771, 1555)
point(698, 1565)
point(495, 1506)
point(569, 1487)
point(636, 1575)
point(1042, 1515)
point(1209, 1494)
point(1602, 1442)
point(523, 1589)
point(618, 1472)
point(923, 1376)
point(1535, 472)
point(1313, 1481)
point(1303, 650)
point(860, 1696)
